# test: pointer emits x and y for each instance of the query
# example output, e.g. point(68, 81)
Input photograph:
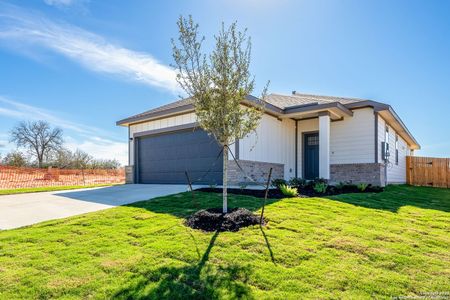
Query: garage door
point(164, 158)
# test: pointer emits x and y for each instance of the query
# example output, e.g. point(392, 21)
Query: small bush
point(288, 190)
point(375, 189)
point(340, 186)
point(297, 182)
point(320, 187)
point(350, 188)
point(277, 182)
point(362, 187)
point(321, 180)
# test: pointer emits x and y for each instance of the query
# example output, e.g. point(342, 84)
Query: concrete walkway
point(26, 209)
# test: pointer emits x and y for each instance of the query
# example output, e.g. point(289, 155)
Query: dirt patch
point(214, 220)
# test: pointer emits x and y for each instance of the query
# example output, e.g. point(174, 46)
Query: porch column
point(324, 145)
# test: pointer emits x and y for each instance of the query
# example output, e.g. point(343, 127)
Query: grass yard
point(354, 246)
point(50, 189)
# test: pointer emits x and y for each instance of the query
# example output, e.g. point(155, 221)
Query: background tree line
point(41, 146)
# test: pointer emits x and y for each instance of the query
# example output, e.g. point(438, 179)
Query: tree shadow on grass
point(396, 196)
point(198, 281)
point(272, 257)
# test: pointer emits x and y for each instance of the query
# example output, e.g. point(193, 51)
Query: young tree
point(38, 138)
point(81, 159)
point(218, 84)
point(62, 158)
point(15, 159)
point(109, 164)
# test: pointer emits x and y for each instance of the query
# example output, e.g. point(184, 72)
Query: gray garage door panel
point(165, 157)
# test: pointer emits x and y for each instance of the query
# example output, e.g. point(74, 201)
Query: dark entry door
point(311, 155)
point(164, 158)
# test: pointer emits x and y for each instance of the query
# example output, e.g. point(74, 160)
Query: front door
point(311, 155)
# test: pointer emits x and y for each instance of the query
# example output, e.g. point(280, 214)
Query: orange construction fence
point(17, 177)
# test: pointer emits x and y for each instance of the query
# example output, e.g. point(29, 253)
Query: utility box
point(385, 151)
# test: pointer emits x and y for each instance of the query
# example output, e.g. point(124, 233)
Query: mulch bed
point(304, 192)
point(273, 193)
point(213, 219)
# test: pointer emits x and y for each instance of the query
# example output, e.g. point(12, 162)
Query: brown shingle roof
point(283, 101)
point(280, 101)
point(175, 104)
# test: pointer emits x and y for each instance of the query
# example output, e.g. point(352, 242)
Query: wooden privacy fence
point(428, 171)
point(14, 177)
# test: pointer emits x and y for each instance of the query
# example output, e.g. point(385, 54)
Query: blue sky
point(82, 65)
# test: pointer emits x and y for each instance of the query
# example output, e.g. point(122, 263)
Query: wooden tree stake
point(265, 196)
point(190, 187)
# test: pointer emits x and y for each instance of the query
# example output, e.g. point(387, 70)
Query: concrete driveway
point(26, 209)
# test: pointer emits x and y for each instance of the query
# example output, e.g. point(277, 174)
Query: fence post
point(448, 173)
point(408, 170)
point(82, 173)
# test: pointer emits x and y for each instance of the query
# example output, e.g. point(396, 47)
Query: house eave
point(394, 120)
point(156, 115)
point(336, 109)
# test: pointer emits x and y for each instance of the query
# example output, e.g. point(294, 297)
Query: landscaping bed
point(304, 191)
point(213, 219)
point(274, 193)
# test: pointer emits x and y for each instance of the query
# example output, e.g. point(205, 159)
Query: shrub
point(375, 189)
point(277, 182)
point(362, 187)
point(340, 186)
point(320, 187)
point(321, 180)
point(288, 190)
point(350, 188)
point(297, 182)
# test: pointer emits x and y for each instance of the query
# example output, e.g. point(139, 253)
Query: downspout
point(296, 148)
point(129, 146)
point(385, 172)
point(376, 136)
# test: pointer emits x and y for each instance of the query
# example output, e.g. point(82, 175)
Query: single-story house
point(300, 135)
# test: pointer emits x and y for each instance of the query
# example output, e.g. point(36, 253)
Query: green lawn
point(50, 189)
point(355, 246)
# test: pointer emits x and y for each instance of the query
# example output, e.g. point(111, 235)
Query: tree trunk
point(225, 179)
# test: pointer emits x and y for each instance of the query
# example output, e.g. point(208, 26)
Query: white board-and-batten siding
point(352, 139)
point(396, 173)
point(158, 124)
point(273, 142)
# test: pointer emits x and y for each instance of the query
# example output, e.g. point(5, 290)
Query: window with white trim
point(396, 149)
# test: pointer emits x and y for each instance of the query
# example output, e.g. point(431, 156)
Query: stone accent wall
point(372, 173)
point(129, 174)
point(258, 171)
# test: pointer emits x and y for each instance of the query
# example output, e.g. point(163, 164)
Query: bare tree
point(62, 158)
point(15, 159)
point(38, 138)
point(81, 159)
point(218, 84)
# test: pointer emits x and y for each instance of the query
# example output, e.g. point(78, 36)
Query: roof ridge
point(324, 97)
point(327, 96)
